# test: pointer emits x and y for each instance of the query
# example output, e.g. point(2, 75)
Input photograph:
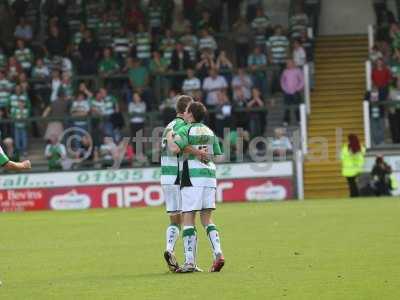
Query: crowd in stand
point(48, 61)
point(385, 57)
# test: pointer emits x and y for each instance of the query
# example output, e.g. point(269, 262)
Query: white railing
point(307, 96)
point(370, 37)
point(368, 75)
point(303, 128)
point(367, 124)
point(310, 33)
point(299, 174)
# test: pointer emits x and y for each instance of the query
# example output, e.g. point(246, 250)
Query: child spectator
point(280, 144)
point(55, 153)
point(299, 54)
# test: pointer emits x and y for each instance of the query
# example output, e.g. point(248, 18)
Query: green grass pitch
point(328, 249)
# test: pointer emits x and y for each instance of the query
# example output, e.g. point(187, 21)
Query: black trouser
point(394, 124)
point(352, 182)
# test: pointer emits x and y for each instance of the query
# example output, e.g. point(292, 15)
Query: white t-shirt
point(299, 57)
point(191, 84)
point(212, 87)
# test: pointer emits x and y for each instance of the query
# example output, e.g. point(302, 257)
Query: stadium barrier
point(137, 187)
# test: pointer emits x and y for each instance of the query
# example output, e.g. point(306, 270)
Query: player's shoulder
point(201, 129)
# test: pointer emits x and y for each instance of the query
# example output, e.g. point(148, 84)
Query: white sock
point(214, 238)
point(172, 236)
point(190, 244)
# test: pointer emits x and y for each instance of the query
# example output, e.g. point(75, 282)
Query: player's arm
point(17, 166)
point(200, 154)
point(172, 146)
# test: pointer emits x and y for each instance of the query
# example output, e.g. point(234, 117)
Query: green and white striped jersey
point(3, 158)
point(196, 172)
point(169, 160)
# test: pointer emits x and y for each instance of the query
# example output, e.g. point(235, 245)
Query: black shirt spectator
point(55, 44)
point(88, 54)
point(180, 59)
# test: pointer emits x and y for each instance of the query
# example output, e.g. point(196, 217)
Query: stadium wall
point(137, 187)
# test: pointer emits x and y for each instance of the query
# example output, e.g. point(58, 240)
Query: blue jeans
point(21, 139)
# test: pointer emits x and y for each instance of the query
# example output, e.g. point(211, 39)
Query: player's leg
point(211, 229)
point(191, 203)
point(173, 206)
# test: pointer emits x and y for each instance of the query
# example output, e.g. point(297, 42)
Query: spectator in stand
point(55, 153)
point(18, 95)
point(386, 51)
point(10, 150)
point(135, 16)
point(224, 65)
point(395, 64)
point(112, 123)
point(122, 44)
point(66, 86)
point(88, 54)
point(241, 118)
point(108, 152)
point(139, 79)
point(261, 23)
point(180, 25)
point(292, 83)
point(299, 54)
point(6, 87)
point(180, 61)
point(158, 64)
point(18, 113)
point(376, 117)
point(298, 22)
point(80, 109)
point(55, 43)
point(384, 18)
point(190, 42)
point(212, 85)
point(242, 35)
point(57, 109)
point(308, 45)
point(104, 29)
point(241, 82)
point(55, 84)
point(205, 22)
point(280, 144)
point(251, 9)
point(137, 111)
point(381, 78)
point(143, 44)
point(375, 54)
point(154, 17)
point(257, 62)
point(278, 50)
point(23, 31)
point(108, 65)
point(260, 39)
point(395, 35)
point(394, 113)
point(206, 63)
point(207, 41)
point(41, 74)
point(167, 45)
point(86, 153)
point(168, 107)
point(23, 82)
point(223, 114)
point(191, 85)
point(257, 118)
point(13, 68)
point(3, 58)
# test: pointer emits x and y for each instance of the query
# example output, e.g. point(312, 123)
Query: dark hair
point(182, 103)
point(354, 143)
point(198, 110)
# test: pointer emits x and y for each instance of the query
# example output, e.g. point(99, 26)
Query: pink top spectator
point(292, 81)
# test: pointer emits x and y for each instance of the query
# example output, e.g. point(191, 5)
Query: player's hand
point(203, 156)
point(26, 164)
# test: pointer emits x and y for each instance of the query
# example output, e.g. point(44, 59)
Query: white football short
point(172, 197)
point(195, 198)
